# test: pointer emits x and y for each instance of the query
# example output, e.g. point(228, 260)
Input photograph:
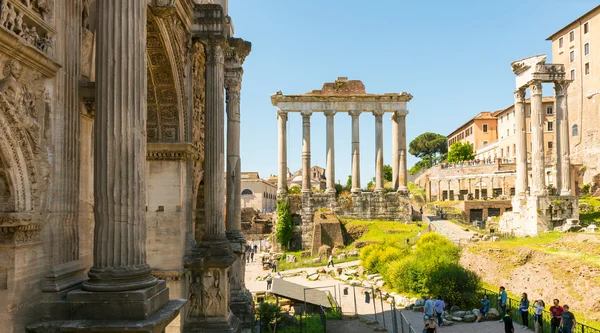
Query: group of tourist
point(562, 320)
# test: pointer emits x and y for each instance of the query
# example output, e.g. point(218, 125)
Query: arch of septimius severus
point(346, 97)
point(112, 207)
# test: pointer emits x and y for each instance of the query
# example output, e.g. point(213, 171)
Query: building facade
point(258, 193)
point(577, 46)
point(479, 131)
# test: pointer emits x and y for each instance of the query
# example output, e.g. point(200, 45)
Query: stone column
point(282, 138)
point(521, 151)
point(395, 150)
point(306, 176)
point(537, 140)
point(402, 168)
point(563, 162)
point(120, 150)
point(503, 186)
point(449, 187)
point(236, 53)
point(330, 153)
point(355, 151)
point(378, 151)
point(439, 188)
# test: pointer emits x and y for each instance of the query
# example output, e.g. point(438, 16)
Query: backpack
point(269, 279)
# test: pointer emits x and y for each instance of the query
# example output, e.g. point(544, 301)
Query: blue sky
point(452, 56)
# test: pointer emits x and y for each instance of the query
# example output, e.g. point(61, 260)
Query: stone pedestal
point(538, 213)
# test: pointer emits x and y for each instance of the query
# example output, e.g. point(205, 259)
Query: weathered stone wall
point(533, 215)
point(327, 231)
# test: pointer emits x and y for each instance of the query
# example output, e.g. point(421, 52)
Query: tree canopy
point(429, 146)
point(460, 152)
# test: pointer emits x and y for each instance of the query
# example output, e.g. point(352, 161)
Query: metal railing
point(545, 326)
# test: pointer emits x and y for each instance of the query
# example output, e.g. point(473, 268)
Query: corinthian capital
point(378, 113)
point(329, 113)
point(520, 95)
point(536, 88)
point(233, 79)
point(354, 113)
point(236, 52)
point(560, 87)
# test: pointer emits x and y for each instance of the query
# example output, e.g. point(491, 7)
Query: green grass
point(378, 231)
point(593, 217)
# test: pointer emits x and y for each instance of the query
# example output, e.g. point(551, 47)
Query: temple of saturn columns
point(346, 97)
point(112, 195)
point(534, 209)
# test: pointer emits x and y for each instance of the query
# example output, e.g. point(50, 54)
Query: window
point(586, 49)
point(514, 129)
point(507, 132)
point(549, 126)
point(484, 142)
point(247, 192)
point(485, 128)
point(507, 151)
point(572, 74)
point(575, 130)
point(549, 110)
point(501, 152)
point(529, 126)
point(528, 111)
point(572, 56)
point(515, 148)
point(571, 36)
point(560, 43)
point(550, 144)
point(586, 68)
point(586, 27)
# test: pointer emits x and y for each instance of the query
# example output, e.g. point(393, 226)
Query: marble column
point(439, 188)
point(563, 161)
point(120, 150)
point(395, 150)
point(449, 188)
point(379, 181)
point(521, 146)
point(402, 167)
point(306, 176)
point(355, 151)
point(330, 152)
point(282, 138)
point(537, 140)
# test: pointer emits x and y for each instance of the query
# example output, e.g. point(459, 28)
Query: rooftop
point(575, 21)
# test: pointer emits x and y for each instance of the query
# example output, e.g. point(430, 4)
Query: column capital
point(163, 8)
point(306, 113)
point(560, 87)
point(535, 88)
point(329, 113)
point(354, 113)
point(236, 52)
point(520, 95)
point(378, 113)
point(233, 79)
point(282, 113)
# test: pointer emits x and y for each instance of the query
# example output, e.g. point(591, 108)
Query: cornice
point(396, 97)
point(171, 152)
point(27, 54)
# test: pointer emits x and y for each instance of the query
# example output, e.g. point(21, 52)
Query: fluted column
point(306, 177)
point(282, 138)
point(330, 152)
point(355, 151)
point(378, 151)
point(395, 150)
point(521, 151)
point(563, 162)
point(402, 168)
point(120, 149)
point(449, 187)
point(537, 139)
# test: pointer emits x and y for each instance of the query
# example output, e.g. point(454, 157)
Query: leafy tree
point(420, 165)
point(387, 173)
point(460, 152)
point(285, 227)
point(429, 146)
point(349, 183)
point(294, 190)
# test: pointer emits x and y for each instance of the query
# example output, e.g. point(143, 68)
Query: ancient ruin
point(350, 97)
point(534, 208)
point(112, 207)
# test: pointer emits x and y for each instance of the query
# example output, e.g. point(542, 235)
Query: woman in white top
point(537, 317)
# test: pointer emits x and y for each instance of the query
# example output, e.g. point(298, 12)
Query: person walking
point(430, 326)
point(252, 256)
point(539, 306)
point(330, 261)
point(439, 307)
point(568, 322)
point(269, 281)
point(508, 323)
point(427, 309)
point(524, 309)
point(274, 265)
point(502, 302)
point(485, 307)
point(556, 311)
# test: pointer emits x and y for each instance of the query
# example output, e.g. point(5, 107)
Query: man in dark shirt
point(508, 323)
point(568, 320)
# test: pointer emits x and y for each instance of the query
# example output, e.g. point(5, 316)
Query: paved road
point(354, 303)
point(453, 232)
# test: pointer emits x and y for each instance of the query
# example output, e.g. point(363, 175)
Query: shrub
point(268, 313)
point(285, 227)
point(457, 284)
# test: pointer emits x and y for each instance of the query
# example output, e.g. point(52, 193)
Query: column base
point(378, 190)
point(356, 190)
point(403, 190)
point(330, 191)
point(213, 325)
point(64, 277)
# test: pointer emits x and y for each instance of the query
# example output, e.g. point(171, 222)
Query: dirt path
point(452, 231)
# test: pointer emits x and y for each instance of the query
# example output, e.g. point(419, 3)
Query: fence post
point(401, 322)
point(382, 310)
point(374, 306)
point(354, 293)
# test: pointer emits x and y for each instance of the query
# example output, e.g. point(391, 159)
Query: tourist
point(427, 309)
point(269, 281)
point(430, 326)
point(330, 261)
point(421, 210)
point(556, 311)
point(524, 309)
point(568, 321)
point(485, 307)
point(508, 323)
point(255, 248)
point(502, 302)
point(252, 256)
point(274, 265)
point(278, 275)
point(439, 307)
point(539, 306)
